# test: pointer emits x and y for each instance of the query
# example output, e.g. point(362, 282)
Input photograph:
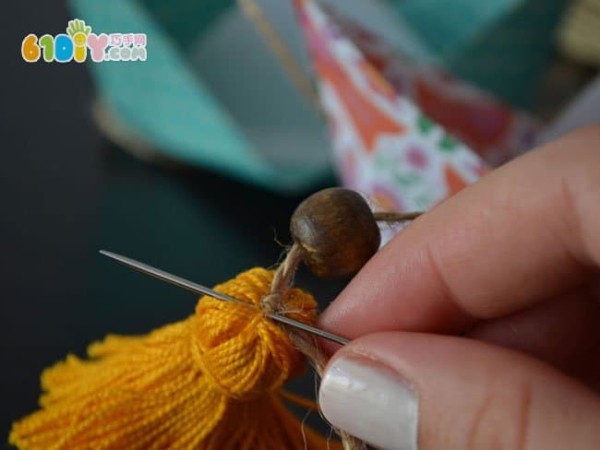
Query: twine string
point(393, 216)
point(304, 342)
point(281, 51)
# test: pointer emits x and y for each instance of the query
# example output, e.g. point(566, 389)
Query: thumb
point(414, 391)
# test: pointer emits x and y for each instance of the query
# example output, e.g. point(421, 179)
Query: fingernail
point(371, 402)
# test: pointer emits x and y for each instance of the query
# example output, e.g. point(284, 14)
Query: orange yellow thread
point(213, 381)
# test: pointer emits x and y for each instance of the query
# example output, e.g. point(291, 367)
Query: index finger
point(526, 232)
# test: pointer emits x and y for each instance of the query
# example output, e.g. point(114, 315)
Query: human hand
point(511, 265)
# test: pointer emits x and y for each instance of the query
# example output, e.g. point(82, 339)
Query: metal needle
point(199, 289)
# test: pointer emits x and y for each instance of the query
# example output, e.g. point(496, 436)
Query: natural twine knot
point(241, 351)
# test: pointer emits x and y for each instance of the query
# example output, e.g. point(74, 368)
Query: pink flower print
point(417, 158)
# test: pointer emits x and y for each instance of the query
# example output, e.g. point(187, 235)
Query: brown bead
point(336, 232)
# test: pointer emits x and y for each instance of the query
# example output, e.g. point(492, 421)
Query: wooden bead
point(336, 232)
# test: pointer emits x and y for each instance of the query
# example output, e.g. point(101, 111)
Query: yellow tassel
point(213, 381)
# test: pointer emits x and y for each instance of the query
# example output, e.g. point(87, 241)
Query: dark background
point(66, 192)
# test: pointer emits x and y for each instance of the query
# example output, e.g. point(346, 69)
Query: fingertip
point(409, 390)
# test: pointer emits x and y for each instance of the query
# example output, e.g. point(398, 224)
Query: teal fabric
point(163, 101)
point(183, 20)
point(504, 46)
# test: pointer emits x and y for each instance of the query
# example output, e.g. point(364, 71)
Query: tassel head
point(238, 348)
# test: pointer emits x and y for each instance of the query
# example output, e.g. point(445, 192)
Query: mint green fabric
point(504, 46)
point(163, 101)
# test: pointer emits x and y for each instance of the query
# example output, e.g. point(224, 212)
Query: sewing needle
point(199, 289)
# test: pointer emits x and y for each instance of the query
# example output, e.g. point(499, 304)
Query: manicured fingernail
point(371, 402)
